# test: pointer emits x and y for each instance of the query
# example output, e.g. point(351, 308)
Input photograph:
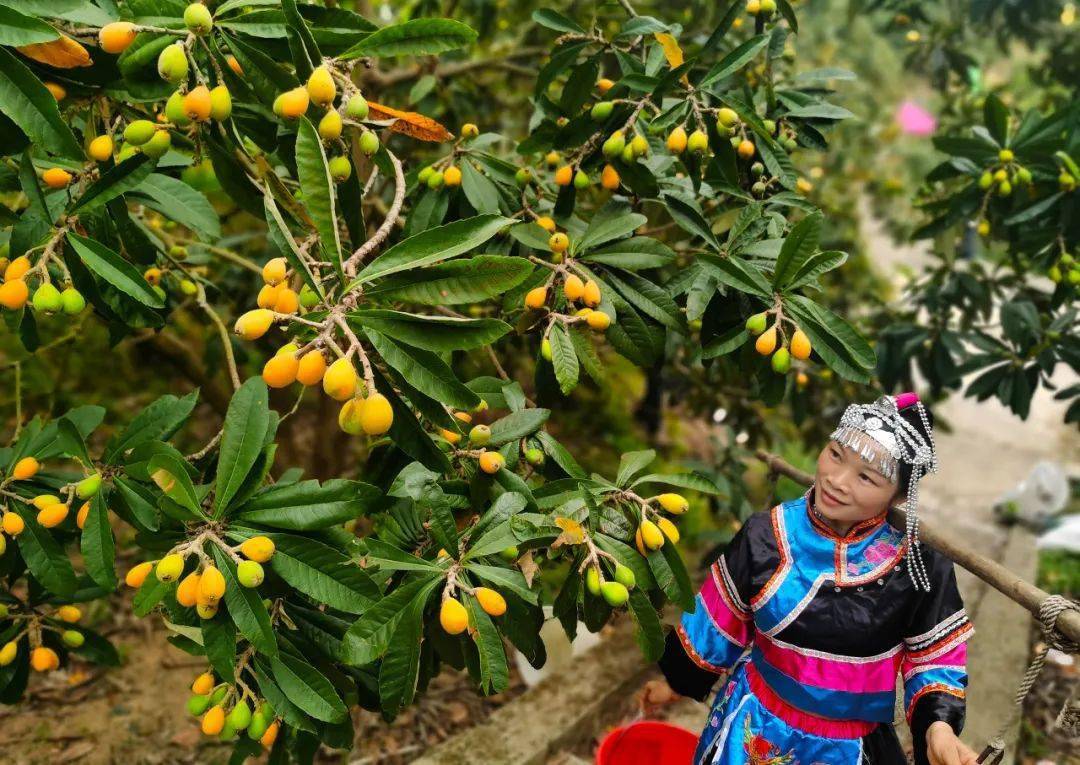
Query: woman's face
point(847, 488)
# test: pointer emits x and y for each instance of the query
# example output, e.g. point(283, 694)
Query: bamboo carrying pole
point(993, 573)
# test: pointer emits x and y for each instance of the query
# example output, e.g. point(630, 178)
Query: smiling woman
point(810, 615)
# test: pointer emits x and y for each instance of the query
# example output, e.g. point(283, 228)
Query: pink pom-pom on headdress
point(904, 400)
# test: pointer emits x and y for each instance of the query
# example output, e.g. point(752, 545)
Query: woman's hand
point(656, 694)
point(944, 748)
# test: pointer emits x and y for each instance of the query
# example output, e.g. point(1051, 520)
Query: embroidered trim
point(856, 533)
point(777, 578)
point(692, 653)
point(958, 637)
point(730, 638)
point(941, 628)
point(833, 656)
point(873, 574)
point(932, 688)
point(726, 586)
point(918, 669)
point(793, 614)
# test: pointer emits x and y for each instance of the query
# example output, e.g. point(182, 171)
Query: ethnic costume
point(812, 629)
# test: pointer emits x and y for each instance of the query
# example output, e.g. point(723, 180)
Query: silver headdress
point(880, 423)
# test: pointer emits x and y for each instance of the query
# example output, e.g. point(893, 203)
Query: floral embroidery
point(761, 751)
point(880, 551)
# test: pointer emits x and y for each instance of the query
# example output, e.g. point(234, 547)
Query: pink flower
point(915, 120)
point(880, 551)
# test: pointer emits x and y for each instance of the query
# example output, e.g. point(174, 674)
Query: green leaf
point(613, 221)
point(563, 358)
point(797, 248)
point(401, 664)
point(820, 111)
point(650, 299)
point(324, 574)
point(433, 245)
point(17, 29)
point(369, 637)
point(308, 688)
point(555, 20)
point(318, 189)
point(650, 633)
point(242, 439)
point(416, 37)
point(115, 181)
point(305, 52)
point(560, 455)
point(996, 117)
point(670, 573)
point(139, 502)
point(219, 640)
point(738, 274)
point(97, 546)
point(693, 481)
point(494, 670)
point(159, 420)
point(506, 579)
point(632, 463)
point(32, 107)
point(114, 270)
point(389, 558)
point(432, 333)
point(735, 60)
point(690, 219)
point(283, 706)
point(425, 371)
point(406, 431)
point(470, 280)
point(179, 202)
point(815, 266)
point(282, 240)
point(836, 341)
point(43, 554)
point(635, 253)
point(246, 608)
point(266, 77)
point(151, 592)
point(479, 189)
point(517, 425)
point(309, 505)
point(183, 490)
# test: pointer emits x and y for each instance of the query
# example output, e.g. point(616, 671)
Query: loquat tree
point(147, 141)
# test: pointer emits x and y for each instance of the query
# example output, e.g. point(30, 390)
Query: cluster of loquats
point(654, 529)
point(363, 410)
point(575, 290)
point(52, 509)
point(47, 299)
point(204, 585)
point(35, 625)
point(445, 174)
point(1000, 179)
point(229, 710)
point(772, 340)
point(320, 92)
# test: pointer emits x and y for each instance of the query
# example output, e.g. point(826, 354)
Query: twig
point(388, 223)
point(223, 332)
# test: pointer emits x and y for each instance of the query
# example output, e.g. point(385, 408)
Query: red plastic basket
point(648, 742)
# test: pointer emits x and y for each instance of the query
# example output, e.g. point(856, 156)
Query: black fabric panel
point(684, 676)
point(929, 709)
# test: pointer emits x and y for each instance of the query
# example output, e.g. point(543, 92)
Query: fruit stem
point(354, 341)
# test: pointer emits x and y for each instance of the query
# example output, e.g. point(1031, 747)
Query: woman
point(817, 605)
